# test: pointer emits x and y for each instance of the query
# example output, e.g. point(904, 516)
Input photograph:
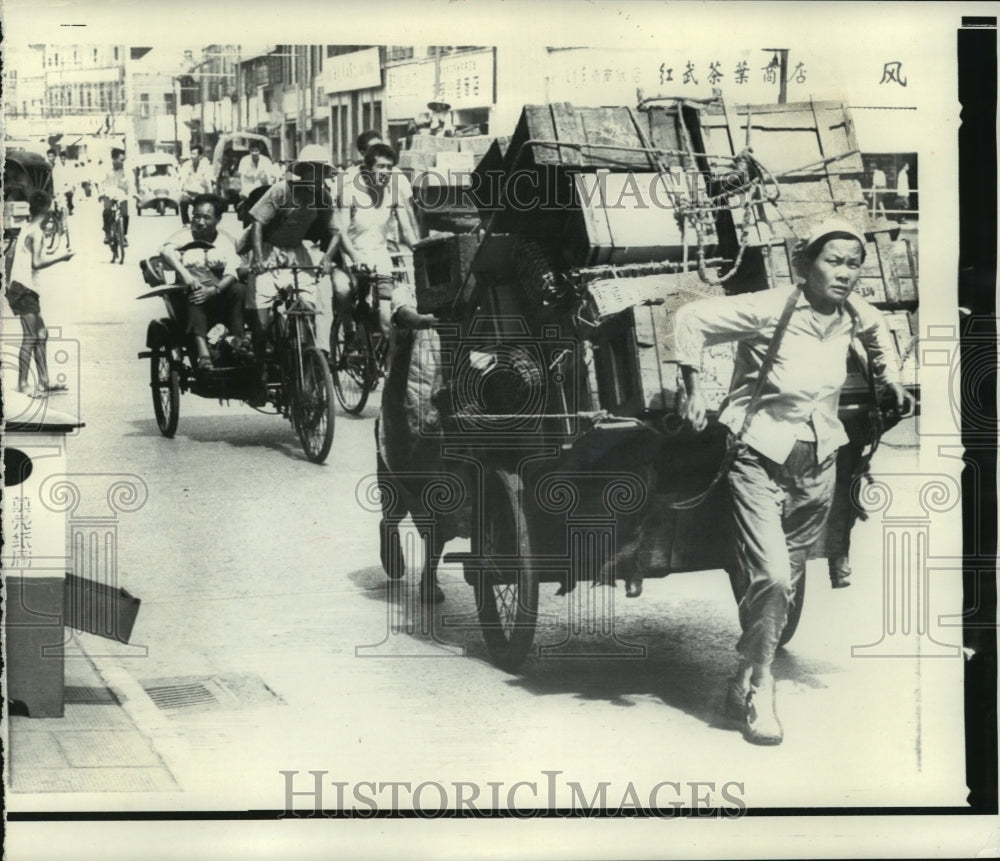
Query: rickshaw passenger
point(783, 477)
point(215, 294)
point(288, 213)
point(368, 208)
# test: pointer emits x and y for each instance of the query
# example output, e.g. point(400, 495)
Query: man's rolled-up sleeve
point(714, 321)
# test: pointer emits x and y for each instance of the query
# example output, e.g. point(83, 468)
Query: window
point(116, 54)
point(90, 97)
point(144, 104)
point(95, 56)
point(169, 103)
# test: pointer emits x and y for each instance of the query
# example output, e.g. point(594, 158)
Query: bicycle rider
point(290, 212)
point(368, 207)
point(117, 190)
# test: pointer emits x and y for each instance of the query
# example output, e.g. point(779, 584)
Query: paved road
point(261, 585)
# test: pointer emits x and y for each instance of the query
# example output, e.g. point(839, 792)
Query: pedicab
point(159, 183)
point(556, 400)
point(226, 157)
point(291, 379)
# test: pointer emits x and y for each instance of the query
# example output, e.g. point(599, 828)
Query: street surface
point(260, 580)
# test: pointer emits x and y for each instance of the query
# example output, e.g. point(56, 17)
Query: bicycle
point(57, 225)
point(116, 236)
point(358, 358)
point(297, 376)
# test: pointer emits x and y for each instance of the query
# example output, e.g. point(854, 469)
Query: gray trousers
point(780, 510)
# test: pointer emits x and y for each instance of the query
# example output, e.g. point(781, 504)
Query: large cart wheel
point(313, 406)
point(353, 370)
point(507, 589)
point(165, 384)
point(738, 581)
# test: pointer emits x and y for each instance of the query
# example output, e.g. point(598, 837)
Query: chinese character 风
point(892, 73)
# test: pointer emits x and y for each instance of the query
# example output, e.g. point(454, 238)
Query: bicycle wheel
point(353, 367)
point(380, 360)
point(165, 385)
point(312, 405)
point(507, 592)
point(120, 237)
point(114, 244)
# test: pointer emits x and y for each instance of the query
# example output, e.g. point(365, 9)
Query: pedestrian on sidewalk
point(782, 409)
point(30, 256)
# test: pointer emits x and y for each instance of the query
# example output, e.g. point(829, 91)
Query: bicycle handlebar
point(291, 268)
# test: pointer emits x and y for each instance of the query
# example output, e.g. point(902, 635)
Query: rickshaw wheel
point(313, 406)
point(738, 582)
point(506, 592)
point(353, 371)
point(165, 385)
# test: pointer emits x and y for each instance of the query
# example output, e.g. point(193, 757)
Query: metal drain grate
point(209, 692)
point(181, 696)
point(87, 695)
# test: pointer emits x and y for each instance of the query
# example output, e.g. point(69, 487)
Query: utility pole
point(177, 106)
point(780, 61)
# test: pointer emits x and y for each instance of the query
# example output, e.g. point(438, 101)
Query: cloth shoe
point(840, 574)
point(761, 724)
point(736, 701)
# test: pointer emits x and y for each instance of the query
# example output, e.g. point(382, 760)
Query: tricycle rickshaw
point(158, 181)
point(292, 377)
point(557, 401)
point(226, 158)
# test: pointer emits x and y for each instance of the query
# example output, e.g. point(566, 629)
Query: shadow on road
point(682, 658)
point(276, 434)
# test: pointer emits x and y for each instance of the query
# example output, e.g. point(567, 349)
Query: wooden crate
point(563, 122)
point(433, 144)
point(635, 365)
point(629, 218)
point(440, 267)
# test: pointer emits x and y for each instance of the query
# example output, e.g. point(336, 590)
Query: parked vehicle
point(159, 183)
point(229, 151)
